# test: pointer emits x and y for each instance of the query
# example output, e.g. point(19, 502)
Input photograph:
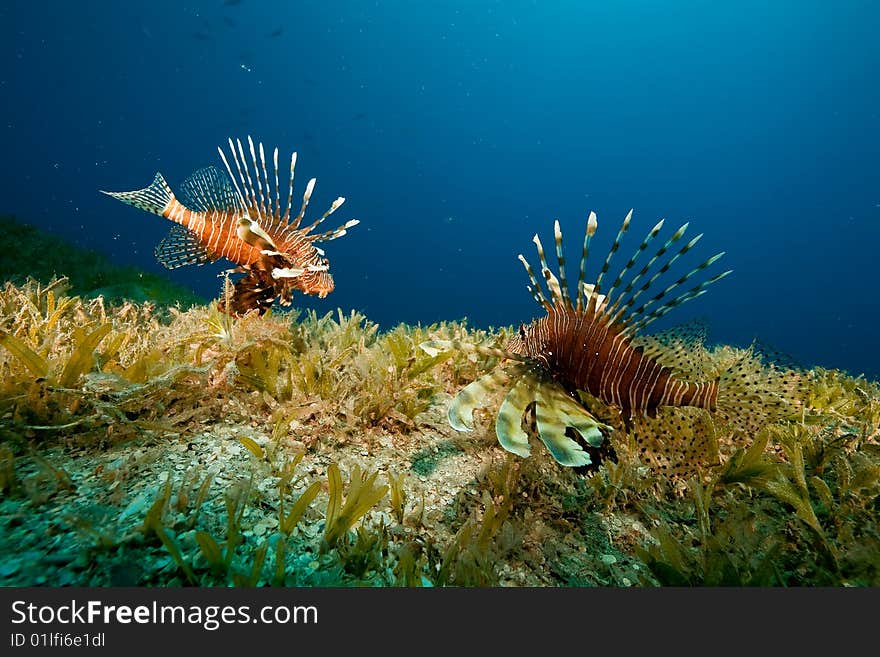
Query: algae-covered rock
point(44, 257)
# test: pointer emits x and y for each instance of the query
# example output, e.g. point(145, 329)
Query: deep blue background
point(458, 129)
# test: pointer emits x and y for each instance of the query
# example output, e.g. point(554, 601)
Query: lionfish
point(588, 346)
point(218, 218)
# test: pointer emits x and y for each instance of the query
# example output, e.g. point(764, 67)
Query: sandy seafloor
point(163, 454)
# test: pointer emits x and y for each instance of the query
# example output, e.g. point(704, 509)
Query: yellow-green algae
point(150, 445)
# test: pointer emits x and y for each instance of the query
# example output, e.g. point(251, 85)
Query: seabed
point(147, 444)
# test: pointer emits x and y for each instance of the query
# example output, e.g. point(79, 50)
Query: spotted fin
point(751, 394)
point(678, 442)
point(681, 349)
point(770, 355)
point(182, 247)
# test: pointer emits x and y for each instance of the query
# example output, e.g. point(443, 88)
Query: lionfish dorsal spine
point(286, 219)
point(246, 181)
point(632, 261)
point(615, 307)
point(536, 290)
point(590, 230)
point(307, 195)
point(611, 253)
point(551, 280)
point(560, 259)
point(640, 318)
point(594, 299)
point(693, 293)
point(317, 222)
point(647, 285)
point(329, 235)
point(231, 176)
point(535, 295)
point(277, 213)
point(259, 186)
point(677, 235)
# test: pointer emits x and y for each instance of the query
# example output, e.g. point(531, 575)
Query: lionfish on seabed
point(589, 346)
point(217, 218)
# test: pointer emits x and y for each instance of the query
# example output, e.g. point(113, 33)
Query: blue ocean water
point(457, 130)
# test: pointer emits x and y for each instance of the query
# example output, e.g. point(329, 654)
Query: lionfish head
point(518, 341)
point(528, 342)
point(290, 253)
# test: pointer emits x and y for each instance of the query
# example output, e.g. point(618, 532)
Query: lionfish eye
point(522, 331)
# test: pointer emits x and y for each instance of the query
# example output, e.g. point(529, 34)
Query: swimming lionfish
point(245, 225)
point(589, 346)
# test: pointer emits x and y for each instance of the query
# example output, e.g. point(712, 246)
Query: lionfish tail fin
point(156, 198)
point(751, 393)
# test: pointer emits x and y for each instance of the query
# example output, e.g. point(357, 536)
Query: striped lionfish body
point(589, 342)
point(217, 217)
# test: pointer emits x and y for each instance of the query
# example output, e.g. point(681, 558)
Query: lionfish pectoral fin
point(473, 396)
point(252, 292)
point(552, 433)
point(250, 232)
point(287, 272)
point(508, 423)
point(182, 247)
point(579, 418)
point(554, 413)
